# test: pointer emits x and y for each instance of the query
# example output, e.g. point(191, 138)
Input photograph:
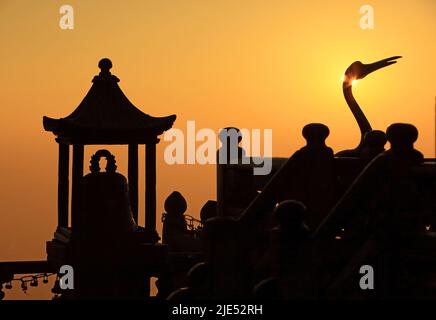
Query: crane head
point(358, 70)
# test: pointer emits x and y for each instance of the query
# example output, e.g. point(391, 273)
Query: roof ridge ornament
point(105, 65)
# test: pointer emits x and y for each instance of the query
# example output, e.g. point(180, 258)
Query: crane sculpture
point(358, 70)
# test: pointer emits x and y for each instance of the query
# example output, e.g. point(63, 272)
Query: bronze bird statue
point(358, 70)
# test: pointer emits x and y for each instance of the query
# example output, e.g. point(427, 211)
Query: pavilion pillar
point(133, 179)
point(63, 184)
point(150, 199)
point(78, 150)
point(150, 188)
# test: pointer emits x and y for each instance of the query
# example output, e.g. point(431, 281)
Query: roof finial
point(105, 65)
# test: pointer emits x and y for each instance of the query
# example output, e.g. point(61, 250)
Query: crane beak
point(369, 68)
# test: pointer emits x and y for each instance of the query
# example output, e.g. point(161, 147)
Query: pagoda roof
point(106, 116)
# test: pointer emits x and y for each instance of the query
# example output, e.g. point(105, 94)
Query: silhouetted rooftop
point(106, 116)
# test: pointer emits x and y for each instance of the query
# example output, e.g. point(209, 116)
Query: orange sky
point(251, 64)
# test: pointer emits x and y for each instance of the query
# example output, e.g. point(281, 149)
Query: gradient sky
point(252, 64)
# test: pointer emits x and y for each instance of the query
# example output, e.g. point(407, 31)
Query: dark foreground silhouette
point(304, 231)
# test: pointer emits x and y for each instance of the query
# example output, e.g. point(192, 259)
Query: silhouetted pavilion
point(106, 116)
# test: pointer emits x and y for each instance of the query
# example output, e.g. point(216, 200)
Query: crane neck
point(358, 114)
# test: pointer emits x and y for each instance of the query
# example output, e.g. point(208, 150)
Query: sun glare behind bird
point(354, 82)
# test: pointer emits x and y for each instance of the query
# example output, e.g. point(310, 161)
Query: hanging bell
point(106, 233)
point(106, 212)
point(34, 282)
point(24, 286)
